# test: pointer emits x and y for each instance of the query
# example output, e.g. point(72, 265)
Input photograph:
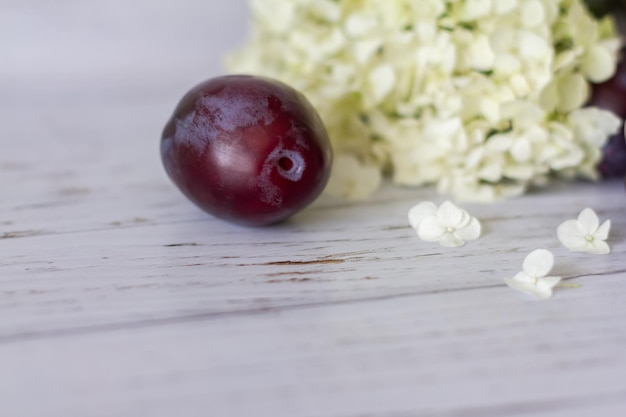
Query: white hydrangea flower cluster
point(481, 97)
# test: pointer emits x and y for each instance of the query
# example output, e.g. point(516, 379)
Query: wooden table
point(120, 298)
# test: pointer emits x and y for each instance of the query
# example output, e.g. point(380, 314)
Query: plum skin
point(247, 149)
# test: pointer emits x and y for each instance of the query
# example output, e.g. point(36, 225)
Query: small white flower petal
point(573, 92)
point(571, 235)
point(524, 278)
point(598, 247)
point(532, 13)
point(420, 211)
point(473, 9)
point(357, 25)
point(545, 285)
point(469, 232)
point(465, 220)
point(542, 292)
point(598, 64)
point(522, 286)
point(365, 49)
point(450, 240)
point(521, 150)
point(504, 6)
point(540, 288)
point(449, 215)
point(538, 263)
point(430, 229)
point(602, 232)
point(381, 82)
point(580, 245)
point(588, 220)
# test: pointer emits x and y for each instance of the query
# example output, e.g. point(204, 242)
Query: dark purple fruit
point(247, 149)
point(611, 95)
point(613, 162)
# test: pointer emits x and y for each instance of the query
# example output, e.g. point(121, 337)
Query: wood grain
point(119, 298)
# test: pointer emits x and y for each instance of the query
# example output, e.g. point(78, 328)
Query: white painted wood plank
point(441, 354)
point(142, 269)
point(66, 51)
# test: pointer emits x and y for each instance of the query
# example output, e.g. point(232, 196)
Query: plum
point(247, 149)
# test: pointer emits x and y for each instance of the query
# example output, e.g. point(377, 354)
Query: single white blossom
point(448, 224)
point(533, 279)
point(585, 234)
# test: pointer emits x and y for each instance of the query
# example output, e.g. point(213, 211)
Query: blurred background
point(87, 86)
point(87, 51)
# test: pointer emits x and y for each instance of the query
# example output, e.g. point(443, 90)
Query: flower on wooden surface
point(447, 224)
point(533, 279)
point(481, 98)
point(585, 234)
